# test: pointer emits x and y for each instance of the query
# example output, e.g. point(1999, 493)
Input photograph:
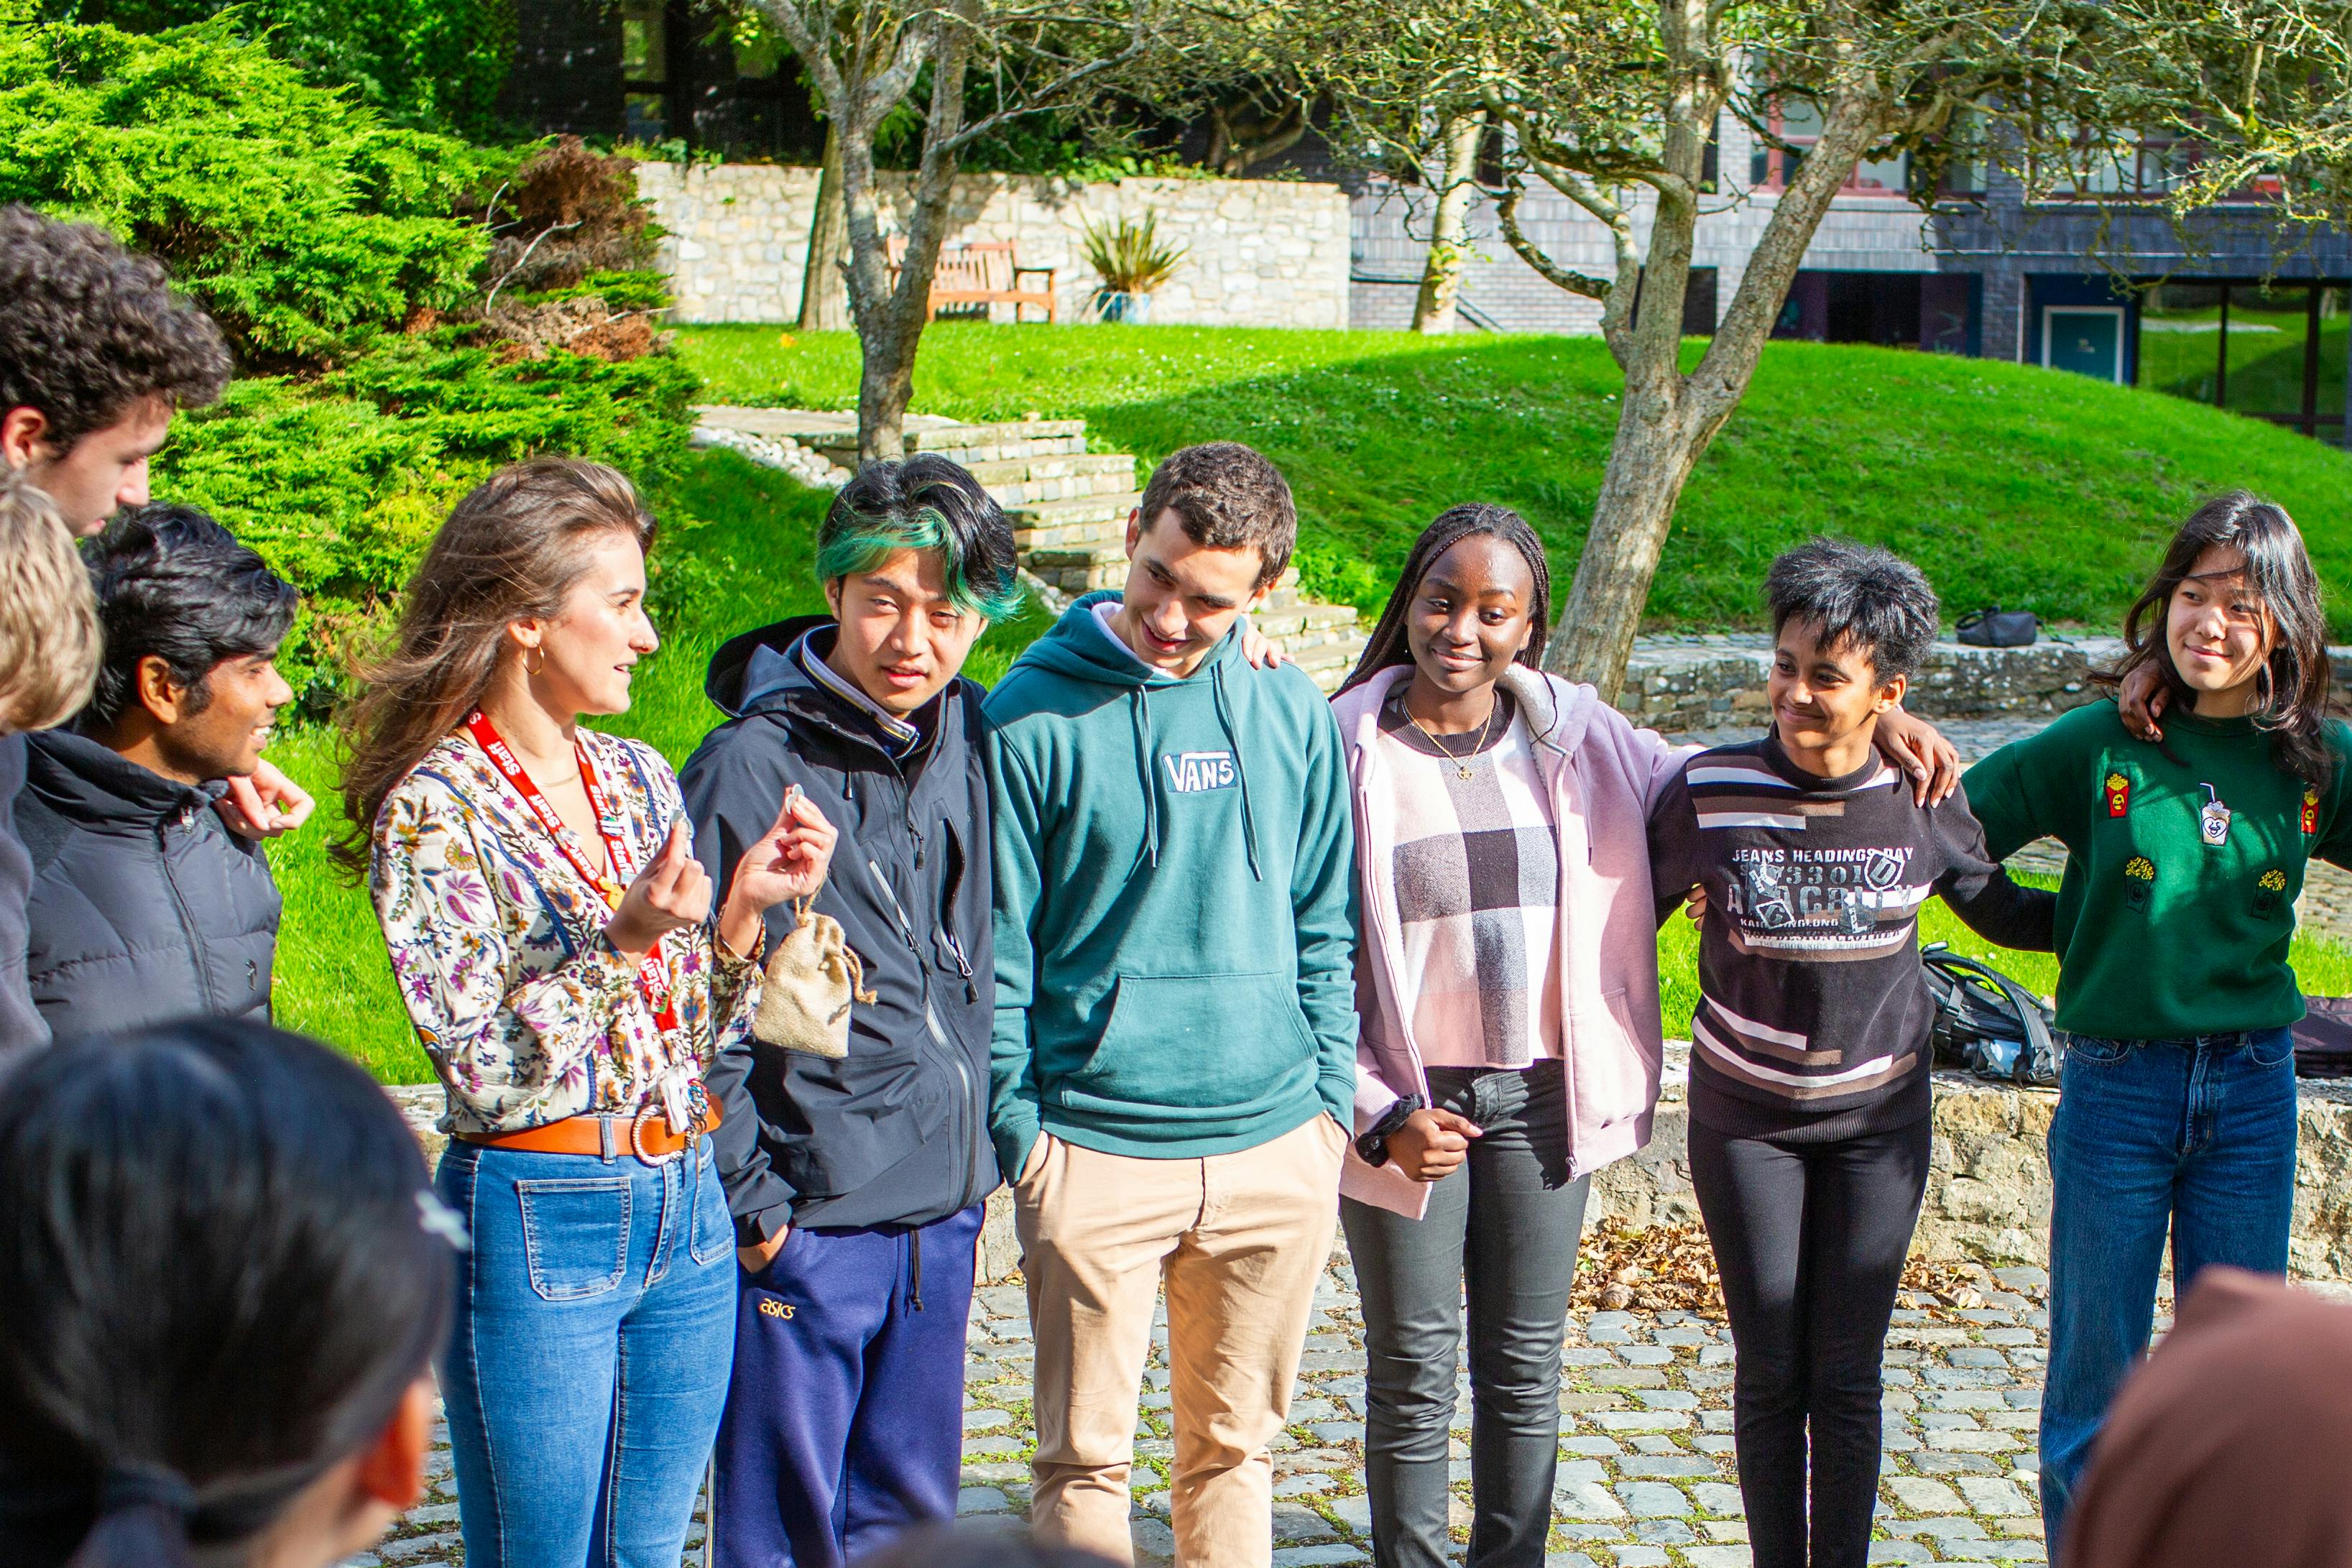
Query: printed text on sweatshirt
point(1813, 1017)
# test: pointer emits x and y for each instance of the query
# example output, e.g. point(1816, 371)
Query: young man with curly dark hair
point(97, 353)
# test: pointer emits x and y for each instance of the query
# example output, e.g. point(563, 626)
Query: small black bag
point(1987, 1023)
point(2323, 1040)
point(1997, 627)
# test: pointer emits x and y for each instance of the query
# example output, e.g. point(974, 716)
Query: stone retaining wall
point(1262, 253)
point(1706, 681)
point(1710, 680)
point(1988, 1177)
point(1987, 1183)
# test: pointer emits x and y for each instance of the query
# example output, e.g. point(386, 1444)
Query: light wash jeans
point(588, 1362)
point(2193, 1137)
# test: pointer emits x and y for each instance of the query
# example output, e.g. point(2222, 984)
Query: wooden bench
point(985, 272)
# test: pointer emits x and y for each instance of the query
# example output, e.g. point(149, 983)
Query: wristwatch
point(1374, 1145)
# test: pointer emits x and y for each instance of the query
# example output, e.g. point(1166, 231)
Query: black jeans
point(1506, 1223)
point(1810, 1240)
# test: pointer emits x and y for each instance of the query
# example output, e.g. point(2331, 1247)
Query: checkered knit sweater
point(1477, 868)
point(1813, 1017)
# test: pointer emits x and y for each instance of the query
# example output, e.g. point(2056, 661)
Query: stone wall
point(1262, 253)
point(1702, 681)
point(1988, 1177)
point(1710, 680)
point(1987, 1183)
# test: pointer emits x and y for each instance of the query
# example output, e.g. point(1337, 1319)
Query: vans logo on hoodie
point(1190, 771)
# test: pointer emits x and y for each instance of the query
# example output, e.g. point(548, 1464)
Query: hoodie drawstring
point(915, 1267)
point(1225, 718)
point(1138, 710)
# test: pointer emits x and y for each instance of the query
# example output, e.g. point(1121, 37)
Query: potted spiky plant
point(1133, 262)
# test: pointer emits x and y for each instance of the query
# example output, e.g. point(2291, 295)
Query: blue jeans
point(588, 1362)
point(2196, 1137)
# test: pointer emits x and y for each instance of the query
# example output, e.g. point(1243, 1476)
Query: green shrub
point(437, 65)
point(339, 481)
point(301, 220)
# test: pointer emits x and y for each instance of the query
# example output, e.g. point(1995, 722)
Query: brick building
point(2239, 311)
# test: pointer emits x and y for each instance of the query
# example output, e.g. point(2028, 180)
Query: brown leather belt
point(647, 1135)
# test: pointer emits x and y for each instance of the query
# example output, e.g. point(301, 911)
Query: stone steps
point(1069, 507)
point(1027, 481)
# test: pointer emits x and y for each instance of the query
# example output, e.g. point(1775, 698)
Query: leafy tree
point(1612, 104)
point(867, 59)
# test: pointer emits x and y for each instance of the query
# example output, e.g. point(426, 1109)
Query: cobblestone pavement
point(1645, 1474)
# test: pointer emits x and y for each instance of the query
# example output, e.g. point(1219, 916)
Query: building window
point(2274, 350)
point(644, 70)
point(1796, 122)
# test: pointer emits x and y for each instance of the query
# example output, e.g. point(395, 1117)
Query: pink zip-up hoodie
point(1603, 773)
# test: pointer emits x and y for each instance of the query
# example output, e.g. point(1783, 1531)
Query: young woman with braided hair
point(1510, 1041)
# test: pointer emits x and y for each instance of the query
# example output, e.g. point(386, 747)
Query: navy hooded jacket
point(897, 1132)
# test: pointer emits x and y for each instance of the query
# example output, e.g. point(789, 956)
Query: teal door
point(2085, 339)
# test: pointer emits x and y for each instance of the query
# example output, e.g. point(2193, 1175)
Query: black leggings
point(1810, 1240)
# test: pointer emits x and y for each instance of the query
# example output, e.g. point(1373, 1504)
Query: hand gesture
point(788, 861)
point(1432, 1143)
point(1262, 651)
point(671, 892)
point(1920, 751)
point(265, 804)
point(2141, 699)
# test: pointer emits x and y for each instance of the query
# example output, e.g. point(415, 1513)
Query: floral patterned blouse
point(497, 943)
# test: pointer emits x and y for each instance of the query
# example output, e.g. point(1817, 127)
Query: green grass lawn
point(2022, 485)
point(2007, 483)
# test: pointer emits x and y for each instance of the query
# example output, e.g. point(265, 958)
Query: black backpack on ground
point(1997, 627)
point(1987, 1023)
point(2323, 1041)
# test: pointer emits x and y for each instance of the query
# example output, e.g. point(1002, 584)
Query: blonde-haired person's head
point(49, 615)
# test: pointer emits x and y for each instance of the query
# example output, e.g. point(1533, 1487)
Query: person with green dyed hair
point(856, 1181)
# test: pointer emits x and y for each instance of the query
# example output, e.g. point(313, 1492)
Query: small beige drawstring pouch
point(812, 977)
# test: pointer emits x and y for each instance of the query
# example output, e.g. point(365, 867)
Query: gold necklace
point(1460, 763)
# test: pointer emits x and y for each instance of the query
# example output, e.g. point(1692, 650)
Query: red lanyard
point(653, 974)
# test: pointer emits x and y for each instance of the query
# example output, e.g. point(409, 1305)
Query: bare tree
point(824, 291)
point(1449, 228)
point(865, 59)
point(1612, 106)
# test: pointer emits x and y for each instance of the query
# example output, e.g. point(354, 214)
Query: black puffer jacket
point(897, 1132)
point(146, 907)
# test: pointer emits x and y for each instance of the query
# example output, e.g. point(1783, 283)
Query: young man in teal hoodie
point(1173, 1070)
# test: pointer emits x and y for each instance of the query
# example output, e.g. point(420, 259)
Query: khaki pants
point(1240, 1240)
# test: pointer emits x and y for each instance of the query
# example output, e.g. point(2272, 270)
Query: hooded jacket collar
point(1559, 712)
point(757, 673)
point(86, 783)
point(1079, 647)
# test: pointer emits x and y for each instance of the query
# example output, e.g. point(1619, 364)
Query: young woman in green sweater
point(2184, 858)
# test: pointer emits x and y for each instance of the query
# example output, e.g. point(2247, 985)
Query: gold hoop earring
point(529, 668)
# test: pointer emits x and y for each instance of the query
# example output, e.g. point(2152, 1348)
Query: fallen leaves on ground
point(1670, 1268)
point(1646, 1269)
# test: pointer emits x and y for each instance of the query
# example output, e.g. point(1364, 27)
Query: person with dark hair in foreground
point(2226, 1448)
point(222, 1278)
point(856, 1181)
point(1808, 1091)
point(144, 906)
